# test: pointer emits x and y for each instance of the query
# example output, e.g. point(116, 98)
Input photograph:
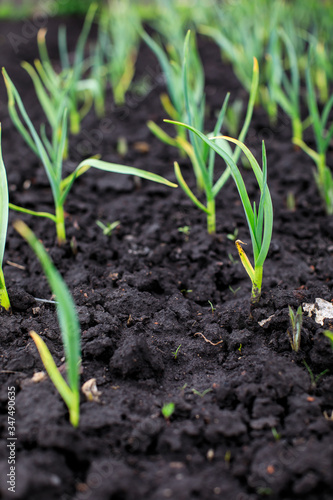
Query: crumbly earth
point(248, 420)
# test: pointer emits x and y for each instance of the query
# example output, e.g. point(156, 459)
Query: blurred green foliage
point(20, 9)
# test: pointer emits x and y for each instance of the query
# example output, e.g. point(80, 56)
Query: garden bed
point(248, 421)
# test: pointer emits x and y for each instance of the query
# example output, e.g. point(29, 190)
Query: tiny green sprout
point(276, 434)
point(184, 291)
point(175, 354)
point(240, 347)
point(284, 89)
point(108, 227)
point(314, 379)
point(232, 259)
point(122, 146)
point(264, 491)
point(234, 291)
point(167, 410)
point(185, 229)
point(203, 393)
point(233, 236)
point(323, 133)
point(212, 307)
point(296, 320)
point(227, 457)
point(291, 201)
point(329, 335)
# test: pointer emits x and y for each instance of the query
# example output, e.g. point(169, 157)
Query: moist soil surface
point(249, 419)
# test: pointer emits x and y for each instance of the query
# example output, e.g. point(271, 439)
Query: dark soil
point(248, 423)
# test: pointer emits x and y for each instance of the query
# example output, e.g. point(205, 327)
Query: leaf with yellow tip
point(244, 259)
point(52, 369)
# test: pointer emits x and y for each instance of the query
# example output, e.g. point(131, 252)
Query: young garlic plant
point(323, 132)
point(285, 91)
point(296, 320)
point(203, 157)
point(70, 330)
point(51, 153)
point(259, 220)
point(118, 38)
point(172, 64)
point(68, 88)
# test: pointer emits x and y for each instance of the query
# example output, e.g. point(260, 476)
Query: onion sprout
point(51, 156)
point(70, 330)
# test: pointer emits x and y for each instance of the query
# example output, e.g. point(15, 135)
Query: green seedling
point(240, 348)
point(108, 227)
point(323, 71)
point(227, 458)
point(51, 156)
point(232, 259)
point(296, 320)
point(314, 379)
point(172, 64)
point(68, 88)
point(185, 229)
point(168, 410)
point(264, 491)
point(70, 330)
point(203, 393)
point(234, 291)
point(212, 307)
point(122, 146)
point(323, 132)
point(175, 354)
point(98, 77)
point(182, 389)
point(285, 91)
point(4, 299)
point(321, 67)
point(329, 335)
point(260, 222)
point(119, 28)
point(255, 22)
point(169, 22)
point(203, 157)
point(276, 434)
point(233, 236)
point(291, 201)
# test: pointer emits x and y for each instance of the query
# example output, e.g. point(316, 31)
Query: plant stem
point(74, 411)
point(297, 128)
point(321, 165)
point(4, 299)
point(60, 224)
point(256, 284)
point(74, 122)
point(211, 218)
